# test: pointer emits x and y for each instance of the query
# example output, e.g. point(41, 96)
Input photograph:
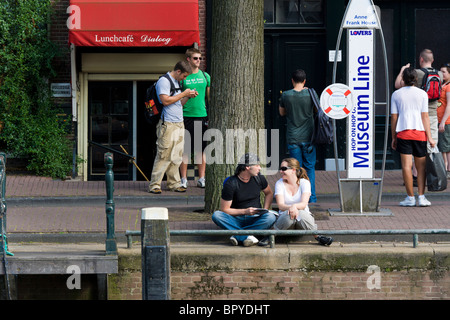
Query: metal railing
point(272, 233)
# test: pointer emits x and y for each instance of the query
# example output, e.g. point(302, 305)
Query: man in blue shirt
point(170, 129)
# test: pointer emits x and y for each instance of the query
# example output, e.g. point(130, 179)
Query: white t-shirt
point(173, 112)
point(409, 103)
point(280, 188)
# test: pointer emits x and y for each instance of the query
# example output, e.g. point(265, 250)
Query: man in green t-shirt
point(195, 117)
point(296, 104)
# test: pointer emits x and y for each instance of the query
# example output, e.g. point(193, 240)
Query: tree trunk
point(237, 90)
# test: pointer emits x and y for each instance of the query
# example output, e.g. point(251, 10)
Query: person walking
point(296, 104)
point(410, 127)
point(195, 116)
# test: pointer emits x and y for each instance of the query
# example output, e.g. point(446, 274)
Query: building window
point(293, 12)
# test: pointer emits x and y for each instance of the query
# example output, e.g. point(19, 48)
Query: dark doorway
point(110, 110)
point(285, 53)
point(146, 134)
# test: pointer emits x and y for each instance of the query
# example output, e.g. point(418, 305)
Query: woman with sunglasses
point(443, 113)
point(292, 194)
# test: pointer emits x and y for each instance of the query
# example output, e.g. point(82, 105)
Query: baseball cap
point(249, 159)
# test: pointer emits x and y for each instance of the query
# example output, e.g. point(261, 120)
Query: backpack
point(323, 125)
point(431, 83)
point(153, 107)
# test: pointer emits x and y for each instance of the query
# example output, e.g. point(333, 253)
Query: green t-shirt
point(299, 115)
point(196, 107)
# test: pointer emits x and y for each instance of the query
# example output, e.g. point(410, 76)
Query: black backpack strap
point(173, 89)
point(258, 180)
point(425, 77)
point(314, 98)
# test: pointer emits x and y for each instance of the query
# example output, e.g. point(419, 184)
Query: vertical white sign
point(360, 123)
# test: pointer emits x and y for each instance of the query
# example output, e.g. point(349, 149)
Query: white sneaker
point(408, 202)
point(233, 241)
point(423, 202)
point(201, 183)
point(250, 241)
point(184, 183)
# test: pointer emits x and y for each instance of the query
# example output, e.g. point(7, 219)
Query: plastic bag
point(436, 173)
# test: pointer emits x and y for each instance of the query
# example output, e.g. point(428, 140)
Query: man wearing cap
point(240, 205)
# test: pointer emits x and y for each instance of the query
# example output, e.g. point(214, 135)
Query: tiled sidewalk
point(85, 209)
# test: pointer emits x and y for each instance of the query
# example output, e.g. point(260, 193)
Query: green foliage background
point(31, 127)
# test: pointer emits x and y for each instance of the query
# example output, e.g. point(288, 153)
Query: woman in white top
point(292, 194)
point(410, 126)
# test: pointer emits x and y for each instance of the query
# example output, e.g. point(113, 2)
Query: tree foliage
point(31, 127)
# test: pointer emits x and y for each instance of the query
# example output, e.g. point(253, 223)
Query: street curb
point(178, 200)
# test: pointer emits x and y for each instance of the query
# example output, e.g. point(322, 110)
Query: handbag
point(323, 125)
point(435, 171)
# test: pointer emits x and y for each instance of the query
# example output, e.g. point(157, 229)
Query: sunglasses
point(284, 168)
point(197, 58)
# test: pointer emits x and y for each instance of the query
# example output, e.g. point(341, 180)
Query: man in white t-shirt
point(410, 127)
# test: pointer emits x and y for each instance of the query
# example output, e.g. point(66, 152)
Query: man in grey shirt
point(170, 129)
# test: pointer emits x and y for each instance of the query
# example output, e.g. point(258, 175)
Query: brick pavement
point(85, 210)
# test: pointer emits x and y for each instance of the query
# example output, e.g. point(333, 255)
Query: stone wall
point(294, 272)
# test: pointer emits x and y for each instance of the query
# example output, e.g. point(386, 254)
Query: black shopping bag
point(436, 173)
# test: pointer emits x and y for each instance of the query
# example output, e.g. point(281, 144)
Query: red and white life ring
point(337, 101)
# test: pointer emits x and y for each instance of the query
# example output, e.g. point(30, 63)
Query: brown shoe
point(179, 189)
point(155, 191)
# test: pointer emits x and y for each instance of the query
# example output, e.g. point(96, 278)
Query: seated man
point(240, 203)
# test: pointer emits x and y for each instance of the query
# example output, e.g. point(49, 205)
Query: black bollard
point(111, 245)
point(155, 254)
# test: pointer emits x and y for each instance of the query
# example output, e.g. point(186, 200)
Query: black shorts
point(191, 141)
point(414, 147)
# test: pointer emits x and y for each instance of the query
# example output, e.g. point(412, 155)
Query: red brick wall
point(299, 285)
point(284, 285)
point(249, 285)
point(60, 36)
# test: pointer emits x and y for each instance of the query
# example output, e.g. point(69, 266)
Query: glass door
point(110, 127)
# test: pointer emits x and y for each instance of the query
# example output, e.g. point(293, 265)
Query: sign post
point(360, 191)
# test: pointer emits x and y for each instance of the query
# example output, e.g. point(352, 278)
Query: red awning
point(133, 23)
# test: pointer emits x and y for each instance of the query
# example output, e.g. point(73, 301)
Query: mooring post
point(111, 245)
point(155, 254)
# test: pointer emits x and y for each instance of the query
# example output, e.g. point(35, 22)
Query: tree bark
point(237, 89)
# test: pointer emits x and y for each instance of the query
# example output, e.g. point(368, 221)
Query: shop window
point(293, 12)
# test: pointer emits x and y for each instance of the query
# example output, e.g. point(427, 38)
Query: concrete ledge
point(47, 258)
point(192, 257)
point(295, 271)
point(351, 257)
